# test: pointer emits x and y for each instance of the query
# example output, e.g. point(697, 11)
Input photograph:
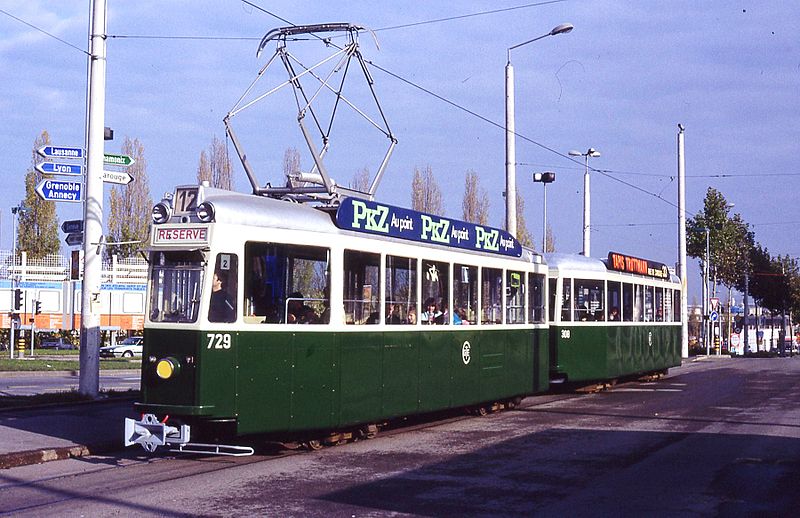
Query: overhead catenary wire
point(45, 32)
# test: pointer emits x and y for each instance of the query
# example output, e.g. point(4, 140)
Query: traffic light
point(17, 299)
point(37, 307)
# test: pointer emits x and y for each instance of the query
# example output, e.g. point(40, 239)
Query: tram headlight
point(205, 212)
point(167, 368)
point(161, 212)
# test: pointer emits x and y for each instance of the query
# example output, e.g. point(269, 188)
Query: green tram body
point(587, 345)
point(290, 380)
point(257, 376)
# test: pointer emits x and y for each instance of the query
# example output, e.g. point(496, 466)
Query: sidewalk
point(35, 435)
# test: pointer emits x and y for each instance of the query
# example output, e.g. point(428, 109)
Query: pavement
point(42, 433)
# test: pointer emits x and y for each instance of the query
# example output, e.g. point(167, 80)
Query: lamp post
point(511, 159)
point(544, 179)
point(591, 152)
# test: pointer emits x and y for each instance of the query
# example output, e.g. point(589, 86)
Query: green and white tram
point(268, 317)
point(611, 318)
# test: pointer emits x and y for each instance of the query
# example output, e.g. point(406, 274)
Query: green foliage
point(38, 226)
point(730, 240)
point(130, 206)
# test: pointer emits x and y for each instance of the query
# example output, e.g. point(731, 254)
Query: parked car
point(128, 348)
point(56, 343)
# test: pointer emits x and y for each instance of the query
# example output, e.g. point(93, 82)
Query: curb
point(74, 373)
point(27, 458)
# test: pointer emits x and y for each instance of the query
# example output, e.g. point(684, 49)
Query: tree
point(475, 205)
point(130, 206)
point(425, 193)
point(215, 166)
point(523, 236)
point(360, 181)
point(550, 240)
point(730, 240)
point(38, 226)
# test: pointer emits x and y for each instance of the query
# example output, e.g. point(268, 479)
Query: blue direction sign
point(61, 152)
point(62, 169)
point(714, 316)
point(53, 190)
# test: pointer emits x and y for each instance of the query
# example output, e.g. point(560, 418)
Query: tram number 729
point(219, 341)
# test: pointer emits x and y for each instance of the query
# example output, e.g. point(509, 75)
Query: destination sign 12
point(377, 218)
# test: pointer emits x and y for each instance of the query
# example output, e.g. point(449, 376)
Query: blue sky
point(729, 71)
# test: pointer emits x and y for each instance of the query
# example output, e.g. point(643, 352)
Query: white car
point(128, 348)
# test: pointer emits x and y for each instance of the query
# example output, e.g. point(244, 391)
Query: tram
point(329, 320)
point(311, 313)
point(611, 318)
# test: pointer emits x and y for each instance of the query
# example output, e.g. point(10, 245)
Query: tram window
point(648, 304)
point(614, 300)
point(566, 300)
point(401, 288)
point(515, 297)
point(224, 289)
point(465, 294)
point(491, 296)
point(676, 305)
point(627, 302)
point(668, 305)
point(175, 281)
point(435, 292)
point(287, 283)
point(659, 304)
point(589, 303)
point(551, 286)
point(638, 303)
point(535, 298)
point(362, 288)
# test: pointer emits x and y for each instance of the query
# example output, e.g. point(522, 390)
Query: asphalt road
point(715, 438)
point(24, 384)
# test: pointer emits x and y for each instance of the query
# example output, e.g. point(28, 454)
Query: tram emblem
point(465, 353)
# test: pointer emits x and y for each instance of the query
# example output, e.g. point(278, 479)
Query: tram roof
point(260, 211)
point(562, 261)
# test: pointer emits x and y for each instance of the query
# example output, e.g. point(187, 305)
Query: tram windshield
point(175, 281)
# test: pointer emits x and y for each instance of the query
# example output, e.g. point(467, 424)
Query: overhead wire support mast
point(316, 185)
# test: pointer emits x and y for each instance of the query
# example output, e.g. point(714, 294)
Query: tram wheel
point(314, 445)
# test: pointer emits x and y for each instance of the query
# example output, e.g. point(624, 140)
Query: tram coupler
point(152, 433)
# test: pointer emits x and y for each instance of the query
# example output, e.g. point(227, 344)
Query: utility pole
point(682, 245)
point(89, 384)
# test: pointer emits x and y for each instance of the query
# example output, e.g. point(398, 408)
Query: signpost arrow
point(118, 177)
point(53, 190)
point(123, 160)
point(61, 152)
point(74, 239)
point(62, 169)
point(72, 226)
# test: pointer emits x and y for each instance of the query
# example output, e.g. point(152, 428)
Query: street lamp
point(591, 152)
point(544, 179)
point(511, 187)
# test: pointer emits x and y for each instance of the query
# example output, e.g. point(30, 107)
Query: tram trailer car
point(612, 318)
point(272, 318)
